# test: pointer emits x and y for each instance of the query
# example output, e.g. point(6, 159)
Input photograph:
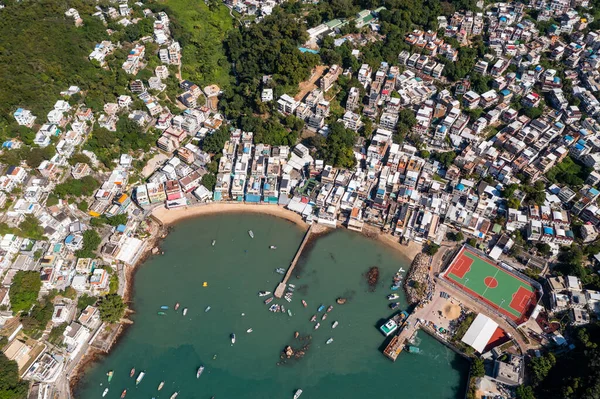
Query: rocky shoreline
point(417, 284)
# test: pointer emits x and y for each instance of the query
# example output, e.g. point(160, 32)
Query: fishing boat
point(273, 307)
point(273, 247)
point(280, 270)
point(174, 395)
point(184, 311)
point(283, 308)
point(123, 393)
point(105, 392)
point(304, 303)
point(317, 325)
point(161, 313)
point(164, 307)
point(401, 270)
point(200, 371)
point(324, 316)
point(140, 378)
point(249, 330)
point(161, 385)
point(251, 233)
point(330, 340)
point(394, 305)
point(289, 312)
point(314, 318)
point(330, 308)
point(391, 297)
point(297, 393)
point(214, 242)
point(264, 293)
point(132, 372)
point(207, 309)
point(288, 298)
point(321, 308)
point(268, 300)
point(232, 338)
point(291, 285)
point(110, 375)
point(177, 306)
point(335, 324)
point(394, 287)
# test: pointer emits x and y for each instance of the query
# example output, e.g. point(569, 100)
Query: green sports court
point(501, 289)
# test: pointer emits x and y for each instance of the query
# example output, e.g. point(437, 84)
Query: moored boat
point(324, 316)
point(214, 242)
point(123, 393)
point(199, 372)
point(184, 311)
point(268, 300)
point(289, 312)
point(330, 308)
point(251, 233)
point(161, 313)
point(207, 309)
point(132, 373)
point(274, 307)
point(177, 306)
point(264, 293)
point(394, 305)
point(110, 375)
point(174, 395)
point(330, 340)
point(314, 318)
point(161, 385)
point(391, 297)
point(297, 393)
point(164, 307)
point(317, 325)
point(140, 378)
point(105, 392)
point(232, 338)
point(335, 324)
point(273, 247)
point(249, 330)
point(321, 308)
point(280, 270)
point(304, 303)
point(283, 308)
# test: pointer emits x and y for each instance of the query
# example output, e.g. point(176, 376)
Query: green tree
point(86, 300)
point(56, 334)
point(91, 242)
point(30, 228)
point(431, 249)
point(24, 290)
point(112, 308)
point(477, 368)
point(209, 181)
point(541, 366)
point(525, 392)
point(11, 387)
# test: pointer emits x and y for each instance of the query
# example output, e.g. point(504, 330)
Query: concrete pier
point(280, 290)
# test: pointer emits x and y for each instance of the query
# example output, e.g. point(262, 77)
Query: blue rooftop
point(121, 228)
point(460, 187)
point(505, 92)
point(548, 230)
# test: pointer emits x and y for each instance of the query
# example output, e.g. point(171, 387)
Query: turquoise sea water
point(170, 348)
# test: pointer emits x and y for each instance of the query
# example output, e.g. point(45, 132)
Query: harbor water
point(170, 348)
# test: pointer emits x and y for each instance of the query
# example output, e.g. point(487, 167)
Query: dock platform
point(280, 290)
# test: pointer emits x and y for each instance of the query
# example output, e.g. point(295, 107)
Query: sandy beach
point(169, 217)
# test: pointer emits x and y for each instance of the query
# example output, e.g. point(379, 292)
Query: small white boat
point(249, 330)
point(105, 392)
point(161, 385)
point(317, 325)
point(273, 247)
point(335, 324)
point(297, 393)
point(174, 395)
point(214, 242)
point(199, 371)
point(264, 293)
point(251, 233)
point(184, 311)
point(232, 339)
point(207, 309)
point(330, 340)
point(401, 270)
point(140, 378)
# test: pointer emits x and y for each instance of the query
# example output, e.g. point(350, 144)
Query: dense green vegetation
point(76, 187)
point(200, 30)
point(111, 308)
point(24, 290)
point(569, 172)
point(35, 321)
point(11, 387)
point(336, 149)
point(85, 300)
point(56, 334)
point(28, 228)
point(573, 374)
point(91, 242)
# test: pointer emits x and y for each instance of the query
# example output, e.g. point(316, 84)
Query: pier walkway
point(279, 291)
